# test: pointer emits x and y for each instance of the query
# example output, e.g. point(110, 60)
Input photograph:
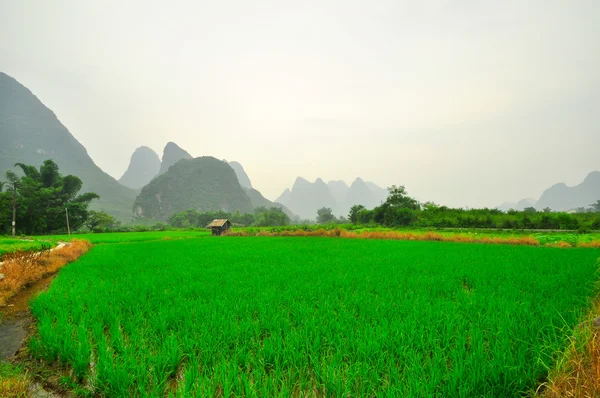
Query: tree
point(398, 197)
point(325, 215)
point(353, 214)
point(42, 197)
point(270, 217)
point(596, 206)
point(100, 220)
point(530, 210)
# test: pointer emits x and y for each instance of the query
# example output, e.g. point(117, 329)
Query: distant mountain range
point(520, 205)
point(561, 197)
point(305, 198)
point(31, 133)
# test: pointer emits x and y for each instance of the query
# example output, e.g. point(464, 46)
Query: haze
point(467, 103)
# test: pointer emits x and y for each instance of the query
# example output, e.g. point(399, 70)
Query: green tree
point(42, 197)
point(353, 214)
point(398, 197)
point(99, 220)
point(325, 215)
point(270, 217)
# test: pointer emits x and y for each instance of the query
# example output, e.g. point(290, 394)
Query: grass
point(26, 266)
point(313, 316)
point(9, 245)
point(549, 239)
point(577, 373)
point(13, 381)
point(124, 237)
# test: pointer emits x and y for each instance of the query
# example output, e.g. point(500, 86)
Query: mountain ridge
point(144, 165)
point(30, 133)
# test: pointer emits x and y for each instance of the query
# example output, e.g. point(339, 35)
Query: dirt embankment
point(24, 275)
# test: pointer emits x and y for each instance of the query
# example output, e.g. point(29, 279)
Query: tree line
point(401, 210)
point(261, 217)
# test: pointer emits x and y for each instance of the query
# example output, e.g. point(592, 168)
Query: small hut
point(219, 226)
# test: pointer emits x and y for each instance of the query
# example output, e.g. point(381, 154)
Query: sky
point(467, 103)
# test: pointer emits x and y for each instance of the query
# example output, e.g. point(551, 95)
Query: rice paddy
point(276, 316)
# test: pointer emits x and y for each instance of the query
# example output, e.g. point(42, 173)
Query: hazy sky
point(466, 102)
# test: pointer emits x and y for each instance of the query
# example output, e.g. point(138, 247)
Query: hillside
point(171, 155)
point(561, 197)
point(338, 189)
point(305, 198)
point(143, 167)
point(204, 184)
point(360, 193)
point(241, 174)
point(258, 200)
point(31, 133)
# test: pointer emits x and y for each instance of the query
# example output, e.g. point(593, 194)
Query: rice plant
point(276, 316)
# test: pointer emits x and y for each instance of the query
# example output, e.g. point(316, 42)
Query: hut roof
point(217, 223)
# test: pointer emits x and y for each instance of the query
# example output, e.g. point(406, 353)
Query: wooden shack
point(218, 227)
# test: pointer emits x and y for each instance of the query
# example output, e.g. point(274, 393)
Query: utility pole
point(68, 228)
point(14, 221)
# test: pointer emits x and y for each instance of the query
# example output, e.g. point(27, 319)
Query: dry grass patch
point(23, 267)
point(578, 373)
point(13, 382)
point(594, 243)
point(398, 235)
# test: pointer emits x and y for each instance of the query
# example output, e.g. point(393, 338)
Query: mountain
point(520, 205)
point(241, 174)
point(204, 183)
point(380, 193)
point(561, 197)
point(171, 155)
point(305, 198)
point(338, 190)
point(360, 193)
point(31, 133)
point(143, 167)
point(257, 200)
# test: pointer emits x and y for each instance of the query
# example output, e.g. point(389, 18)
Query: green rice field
point(275, 316)
point(9, 245)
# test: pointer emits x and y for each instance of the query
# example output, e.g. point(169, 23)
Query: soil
point(16, 326)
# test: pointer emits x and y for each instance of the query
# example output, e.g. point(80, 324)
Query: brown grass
point(23, 267)
point(14, 386)
point(594, 243)
point(398, 235)
point(578, 373)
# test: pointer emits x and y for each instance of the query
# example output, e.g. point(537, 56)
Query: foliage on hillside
point(204, 184)
point(41, 199)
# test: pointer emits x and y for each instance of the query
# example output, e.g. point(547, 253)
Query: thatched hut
point(218, 227)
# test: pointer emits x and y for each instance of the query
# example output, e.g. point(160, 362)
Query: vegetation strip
point(577, 373)
point(416, 236)
point(22, 267)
